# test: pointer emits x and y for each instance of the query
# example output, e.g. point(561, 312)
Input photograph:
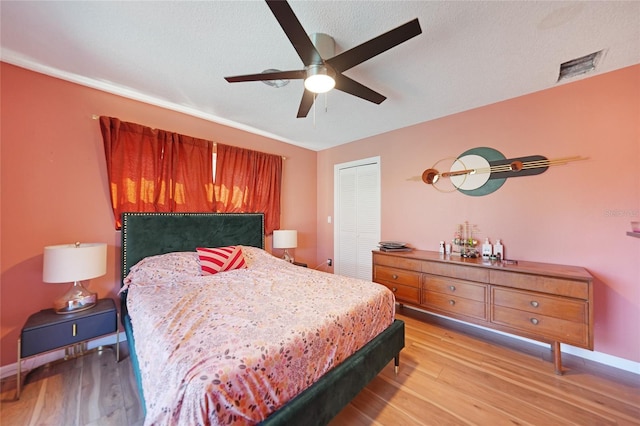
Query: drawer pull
point(534, 304)
point(74, 330)
point(394, 289)
point(452, 287)
point(534, 321)
point(394, 276)
point(452, 302)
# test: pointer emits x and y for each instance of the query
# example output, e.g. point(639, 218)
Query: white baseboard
point(599, 357)
point(38, 360)
point(602, 358)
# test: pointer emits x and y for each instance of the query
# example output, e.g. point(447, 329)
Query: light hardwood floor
point(450, 374)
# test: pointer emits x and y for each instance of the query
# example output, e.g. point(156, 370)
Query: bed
point(159, 235)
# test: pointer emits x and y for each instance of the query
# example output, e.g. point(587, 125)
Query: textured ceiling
point(175, 54)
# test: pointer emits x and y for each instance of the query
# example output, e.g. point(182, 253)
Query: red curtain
point(249, 181)
point(154, 170)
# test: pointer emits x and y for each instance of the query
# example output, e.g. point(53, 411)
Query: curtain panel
point(153, 170)
point(249, 181)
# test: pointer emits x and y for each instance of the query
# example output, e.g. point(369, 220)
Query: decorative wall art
point(481, 171)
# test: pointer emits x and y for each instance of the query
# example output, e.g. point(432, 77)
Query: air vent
point(579, 66)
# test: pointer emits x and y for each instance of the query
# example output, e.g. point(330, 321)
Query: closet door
point(357, 216)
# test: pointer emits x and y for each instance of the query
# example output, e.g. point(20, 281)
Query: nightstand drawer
point(46, 338)
point(46, 330)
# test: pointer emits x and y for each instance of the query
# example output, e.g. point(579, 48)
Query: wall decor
point(481, 171)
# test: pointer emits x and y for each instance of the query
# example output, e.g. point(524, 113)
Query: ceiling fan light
point(319, 83)
point(319, 79)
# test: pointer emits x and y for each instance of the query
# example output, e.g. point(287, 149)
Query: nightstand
point(46, 331)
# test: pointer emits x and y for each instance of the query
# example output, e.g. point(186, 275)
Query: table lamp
point(285, 239)
point(73, 263)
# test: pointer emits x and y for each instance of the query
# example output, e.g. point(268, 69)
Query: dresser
point(540, 301)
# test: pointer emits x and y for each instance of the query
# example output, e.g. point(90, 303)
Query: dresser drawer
point(404, 293)
point(44, 338)
point(541, 283)
point(537, 303)
point(386, 275)
point(456, 271)
point(541, 326)
point(454, 305)
point(468, 290)
point(396, 261)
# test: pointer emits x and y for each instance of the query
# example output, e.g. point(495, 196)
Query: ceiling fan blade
point(306, 103)
point(347, 85)
point(375, 46)
point(265, 76)
point(295, 32)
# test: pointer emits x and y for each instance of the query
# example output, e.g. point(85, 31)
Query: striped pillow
point(220, 259)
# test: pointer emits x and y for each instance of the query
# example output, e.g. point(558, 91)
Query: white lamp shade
point(74, 262)
point(285, 238)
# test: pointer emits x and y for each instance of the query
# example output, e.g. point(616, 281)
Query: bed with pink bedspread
point(245, 345)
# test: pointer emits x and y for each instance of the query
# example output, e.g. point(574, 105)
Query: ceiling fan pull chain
point(326, 103)
point(314, 109)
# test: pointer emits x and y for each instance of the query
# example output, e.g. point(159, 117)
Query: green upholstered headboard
point(149, 234)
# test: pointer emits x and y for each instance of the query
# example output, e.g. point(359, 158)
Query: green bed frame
point(149, 234)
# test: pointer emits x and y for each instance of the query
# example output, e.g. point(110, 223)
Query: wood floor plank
point(415, 404)
point(17, 412)
point(591, 403)
point(129, 390)
point(528, 405)
point(607, 399)
point(384, 411)
point(467, 406)
point(100, 390)
point(351, 416)
point(58, 398)
point(116, 417)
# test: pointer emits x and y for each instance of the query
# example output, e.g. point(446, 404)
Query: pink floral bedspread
point(233, 347)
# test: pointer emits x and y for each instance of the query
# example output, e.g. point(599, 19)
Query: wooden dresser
point(545, 302)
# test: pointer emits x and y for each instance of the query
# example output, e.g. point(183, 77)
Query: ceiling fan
point(321, 75)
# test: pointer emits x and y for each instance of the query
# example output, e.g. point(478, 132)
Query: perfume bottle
point(498, 250)
point(487, 249)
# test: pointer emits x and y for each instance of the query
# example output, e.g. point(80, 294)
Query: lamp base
point(76, 299)
point(287, 256)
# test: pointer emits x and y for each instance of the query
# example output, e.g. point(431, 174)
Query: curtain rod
point(97, 117)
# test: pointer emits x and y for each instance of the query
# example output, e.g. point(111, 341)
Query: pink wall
point(576, 214)
point(54, 188)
